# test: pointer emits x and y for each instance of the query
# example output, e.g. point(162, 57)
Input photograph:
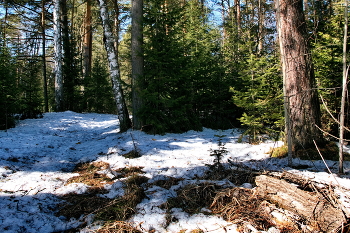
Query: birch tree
point(57, 28)
point(109, 41)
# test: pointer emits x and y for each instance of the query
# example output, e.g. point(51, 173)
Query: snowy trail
point(37, 157)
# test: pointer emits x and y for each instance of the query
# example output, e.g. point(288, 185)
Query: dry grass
point(237, 176)
point(167, 183)
point(129, 171)
point(112, 211)
point(89, 176)
point(279, 152)
point(118, 227)
point(240, 205)
point(192, 198)
point(330, 151)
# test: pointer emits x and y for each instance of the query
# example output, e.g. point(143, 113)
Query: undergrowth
point(114, 212)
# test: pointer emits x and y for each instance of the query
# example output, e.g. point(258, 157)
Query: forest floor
point(71, 172)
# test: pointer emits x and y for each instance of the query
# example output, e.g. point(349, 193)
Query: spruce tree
point(8, 89)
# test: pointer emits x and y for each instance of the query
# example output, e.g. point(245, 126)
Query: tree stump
point(312, 206)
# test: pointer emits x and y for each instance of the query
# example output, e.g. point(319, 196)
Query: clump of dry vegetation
point(121, 209)
point(114, 212)
point(168, 182)
point(328, 151)
point(192, 198)
point(237, 175)
point(133, 154)
point(128, 171)
point(241, 206)
point(88, 174)
point(118, 227)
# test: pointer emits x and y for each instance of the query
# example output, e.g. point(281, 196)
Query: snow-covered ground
point(37, 157)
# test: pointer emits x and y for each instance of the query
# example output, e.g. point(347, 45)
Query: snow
point(37, 158)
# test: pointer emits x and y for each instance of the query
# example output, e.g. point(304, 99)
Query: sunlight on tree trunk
point(123, 114)
point(43, 30)
point(303, 107)
point(87, 40)
point(57, 27)
point(344, 92)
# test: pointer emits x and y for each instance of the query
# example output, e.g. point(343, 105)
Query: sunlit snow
point(37, 157)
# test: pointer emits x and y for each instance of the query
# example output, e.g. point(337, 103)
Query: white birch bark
point(57, 27)
point(109, 41)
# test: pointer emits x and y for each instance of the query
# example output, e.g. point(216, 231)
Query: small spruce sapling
point(218, 153)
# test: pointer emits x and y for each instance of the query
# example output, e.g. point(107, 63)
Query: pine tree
point(137, 61)
point(302, 104)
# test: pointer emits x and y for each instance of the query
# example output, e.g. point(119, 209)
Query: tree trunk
point(87, 40)
point(116, 28)
point(57, 27)
point(123, 114)
point(344, 92)
point(136, 60)
point(261, 20)
point(314, 207)
point(301, 97)
point(43, 30)
point(238, 15)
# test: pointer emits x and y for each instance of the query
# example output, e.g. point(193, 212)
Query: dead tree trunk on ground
point(313, 206)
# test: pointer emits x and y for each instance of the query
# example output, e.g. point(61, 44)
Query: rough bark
point(43, 31)
point(238, 15)
point(344, 92)
point(261, 32)
point(109, 42)
point(136, 60)
point(57, 27)
point(87, 40)
point(312, 206)
point(298, 75)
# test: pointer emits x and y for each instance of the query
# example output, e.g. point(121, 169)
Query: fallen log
point(314, 207)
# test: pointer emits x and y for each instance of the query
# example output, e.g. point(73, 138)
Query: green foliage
point(71, 74)
point(166, 89)
point(29, 85)
point(218, 154)
point(183, 86)
point(8, 90)
point(260, 95)
point(98, 94)
point(327, 59)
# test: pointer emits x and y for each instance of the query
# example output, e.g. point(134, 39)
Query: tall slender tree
point(136, 59)
point(87, 44)
point(301, 98)
point(109, 41)
point(57, 27)
point(344, 91)
point(43, 31)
